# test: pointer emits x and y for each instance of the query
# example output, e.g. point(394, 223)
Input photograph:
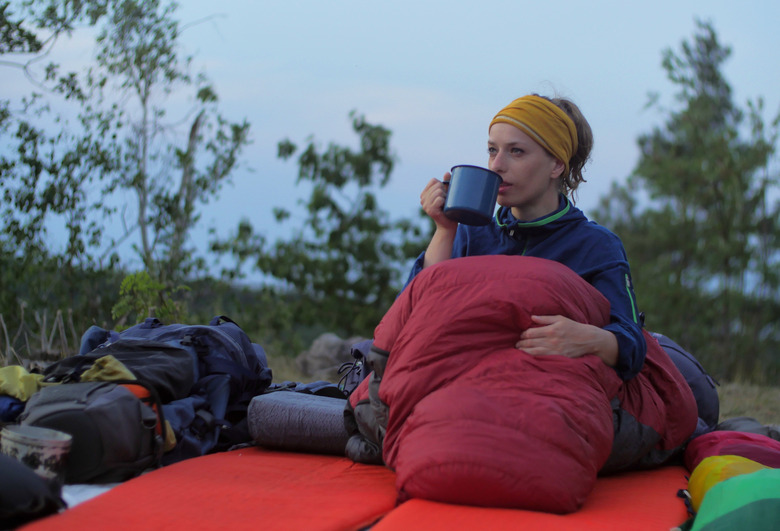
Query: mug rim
point(27, 433)
point(488, 170)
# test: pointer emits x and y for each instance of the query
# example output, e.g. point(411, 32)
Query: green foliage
point(704, 246)
point(138, 59)
point(34, 287)
point(141, 296)
point(45, 172)
point(344, 267)
point(16, 38)
point(110, 137)
point(94, 154)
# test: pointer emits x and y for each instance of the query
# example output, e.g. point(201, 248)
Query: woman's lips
point(503, 188)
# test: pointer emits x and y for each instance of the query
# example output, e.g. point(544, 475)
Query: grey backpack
point(115, 433)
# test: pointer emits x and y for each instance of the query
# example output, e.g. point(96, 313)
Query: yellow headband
point(545, 122)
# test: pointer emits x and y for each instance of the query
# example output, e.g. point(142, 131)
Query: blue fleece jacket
point(567, 236)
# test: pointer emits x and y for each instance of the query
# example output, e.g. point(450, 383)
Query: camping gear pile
point(149, 396)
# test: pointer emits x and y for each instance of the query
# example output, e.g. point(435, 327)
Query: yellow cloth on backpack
point(17, 382)
point(107, 369)
point(714, 469)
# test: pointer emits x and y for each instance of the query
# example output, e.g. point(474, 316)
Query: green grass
point(748, 400)
point(284, 368)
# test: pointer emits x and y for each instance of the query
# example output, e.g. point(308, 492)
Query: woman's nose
point(496, 163)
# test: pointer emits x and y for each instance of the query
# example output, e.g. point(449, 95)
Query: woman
point(539, 147)
point(454, 408)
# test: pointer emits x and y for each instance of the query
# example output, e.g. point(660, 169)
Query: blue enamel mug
point(472, 194)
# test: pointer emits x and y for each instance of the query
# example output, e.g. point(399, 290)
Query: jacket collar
point(507, 221)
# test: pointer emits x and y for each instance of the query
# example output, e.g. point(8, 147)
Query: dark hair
point(570, 182)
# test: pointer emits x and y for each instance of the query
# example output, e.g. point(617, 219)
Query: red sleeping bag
point(464, 417)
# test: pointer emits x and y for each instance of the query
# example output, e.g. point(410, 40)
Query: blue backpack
point(227, 371)
point(701, 383)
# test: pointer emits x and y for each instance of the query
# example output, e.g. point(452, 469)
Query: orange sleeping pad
point(645, 500)
point(260, 489)
point(243, 489)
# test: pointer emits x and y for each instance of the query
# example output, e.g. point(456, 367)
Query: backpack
point(229, 370)
point(701, 383)
point(221, 347)
point(169, 369)
point(202, 376)
point(116, 434)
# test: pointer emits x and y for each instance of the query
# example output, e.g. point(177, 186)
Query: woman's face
point(530, 173)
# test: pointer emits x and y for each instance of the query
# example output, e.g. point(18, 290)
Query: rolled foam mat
point(299, 422)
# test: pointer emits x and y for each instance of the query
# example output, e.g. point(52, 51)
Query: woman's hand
point(558, 335)
point(432, 200)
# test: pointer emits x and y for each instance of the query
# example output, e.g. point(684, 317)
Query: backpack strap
point(148, 395)
point(219, 319)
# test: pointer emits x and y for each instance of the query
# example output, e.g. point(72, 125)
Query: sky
point(435, 72)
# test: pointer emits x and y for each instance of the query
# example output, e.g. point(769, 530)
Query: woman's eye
point(491, 151)
point(517, 151)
